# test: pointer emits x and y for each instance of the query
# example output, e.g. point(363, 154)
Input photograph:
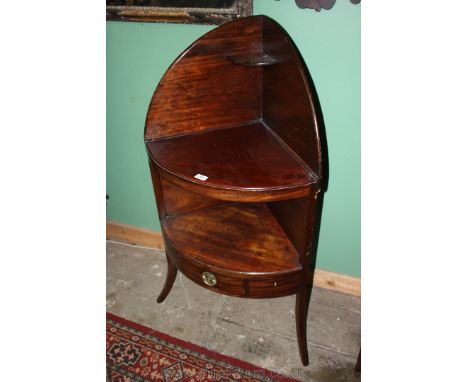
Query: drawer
point(274, 285)
point(264, 286)
point(207, 277)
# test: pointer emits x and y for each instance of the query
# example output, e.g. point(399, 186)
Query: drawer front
point(241, 286)
point(210, 279)
point(274, 285)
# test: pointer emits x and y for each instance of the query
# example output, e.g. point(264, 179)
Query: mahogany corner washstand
point(234, 151)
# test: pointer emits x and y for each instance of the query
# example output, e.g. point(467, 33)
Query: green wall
point(138, 55)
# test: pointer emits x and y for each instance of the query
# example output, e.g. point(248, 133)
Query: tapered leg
point(170, 278)
point(302, 306)
point(357, 369)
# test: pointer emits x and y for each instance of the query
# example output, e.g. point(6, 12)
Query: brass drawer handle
point(209, 278)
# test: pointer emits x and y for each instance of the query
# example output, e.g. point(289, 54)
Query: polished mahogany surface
point(287, 101)
point(246, 157)
point(238, 237)
point(178, 201)
point(232, 135)
point(204, 90)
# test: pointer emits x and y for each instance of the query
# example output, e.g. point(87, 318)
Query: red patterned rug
point(138, 353)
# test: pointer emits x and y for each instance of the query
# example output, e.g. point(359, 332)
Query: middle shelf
point(241, 163)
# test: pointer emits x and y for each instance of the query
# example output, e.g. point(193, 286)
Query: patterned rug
point(138, 353)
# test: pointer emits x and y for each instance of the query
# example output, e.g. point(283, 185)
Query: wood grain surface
point(236, 237)
point(247, 158)
point(233, 138)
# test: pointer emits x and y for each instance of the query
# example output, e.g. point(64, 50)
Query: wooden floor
point(259, 331)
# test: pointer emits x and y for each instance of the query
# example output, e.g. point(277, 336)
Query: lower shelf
point(241, 246)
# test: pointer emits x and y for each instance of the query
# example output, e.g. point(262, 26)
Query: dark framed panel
point(178, 11)
point(318, 5)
